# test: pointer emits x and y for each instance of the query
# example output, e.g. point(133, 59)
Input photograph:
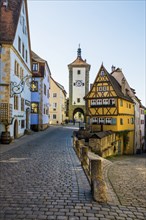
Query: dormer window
point(35, 67)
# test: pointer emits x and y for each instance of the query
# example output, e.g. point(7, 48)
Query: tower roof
point(79, 62)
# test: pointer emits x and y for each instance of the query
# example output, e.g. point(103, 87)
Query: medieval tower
point(78, 87)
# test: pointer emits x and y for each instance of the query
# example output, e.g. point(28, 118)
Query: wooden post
point(84, 156)
point(97, 184)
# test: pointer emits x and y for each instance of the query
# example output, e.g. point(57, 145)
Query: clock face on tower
point(79, 83)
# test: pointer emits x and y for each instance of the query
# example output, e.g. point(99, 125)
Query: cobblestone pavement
point(42, 178)
point(128, 177)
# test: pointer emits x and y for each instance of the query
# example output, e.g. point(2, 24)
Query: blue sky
point(112, 32)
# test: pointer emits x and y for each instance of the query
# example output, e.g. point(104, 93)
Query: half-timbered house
point(110, 108)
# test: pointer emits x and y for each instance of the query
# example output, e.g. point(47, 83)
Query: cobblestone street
point(41, 178)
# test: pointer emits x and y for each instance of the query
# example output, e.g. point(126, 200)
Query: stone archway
point(78, 115)
point(15, 129)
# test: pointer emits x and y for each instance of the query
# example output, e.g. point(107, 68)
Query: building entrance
point(15, 129)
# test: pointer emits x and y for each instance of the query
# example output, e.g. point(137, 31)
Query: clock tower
point(78, 87)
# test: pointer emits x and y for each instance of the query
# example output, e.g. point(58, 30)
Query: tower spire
point(79, 52)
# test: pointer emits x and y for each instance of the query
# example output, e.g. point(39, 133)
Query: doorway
point(15, 129)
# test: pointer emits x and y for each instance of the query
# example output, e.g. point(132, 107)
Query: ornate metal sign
point(17, 88)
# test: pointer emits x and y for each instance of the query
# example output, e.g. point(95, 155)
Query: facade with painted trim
point(40, 93)
point(15, 68)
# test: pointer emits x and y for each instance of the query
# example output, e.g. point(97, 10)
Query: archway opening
point(78, 115)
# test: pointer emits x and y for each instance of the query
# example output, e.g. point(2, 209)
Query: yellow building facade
point(110, 108)
point(57, 110)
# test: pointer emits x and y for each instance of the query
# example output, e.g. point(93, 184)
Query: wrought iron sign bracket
point(17, 88)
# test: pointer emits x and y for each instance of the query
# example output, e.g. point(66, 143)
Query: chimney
point(113, 68)
point(123, 86)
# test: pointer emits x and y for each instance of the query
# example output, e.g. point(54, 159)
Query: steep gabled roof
point(114, 83)
point(60, 86)
point(36, 58)
point(9, 20)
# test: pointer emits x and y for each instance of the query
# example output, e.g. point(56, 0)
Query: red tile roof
point(9, 20)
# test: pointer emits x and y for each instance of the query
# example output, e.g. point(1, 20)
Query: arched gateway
point(78, 115)
point(78, 87)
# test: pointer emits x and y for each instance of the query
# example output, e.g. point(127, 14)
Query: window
point(142, 111)
point(94, 120)
point(35, 67)
point(129, 105)
point(108, 121)
point(54, 95)
point(105, 101)
point(21, 73)
point(15, 68)
point(54, 116)
point(18, 69)
point(34, 107)
point(93, 102)
point(121, 121)
point(99, 101)
point(121, 102)
point(19, 44)
point(55, 105)
point(132, 120)
point(100, 88)
point(16, 102)
point(112, 102)
point(26, 56)
point(22, 104)
point(104, 88)
point(128, 120)
point(34, 86)
point(102, 73)
point(78, 100)
point(101, 120)
point(22, 123)
point(114, 121)
point(79, 72)
point(23, 50)
point(47, 93)
point(44, 89)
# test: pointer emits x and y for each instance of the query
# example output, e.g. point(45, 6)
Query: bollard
point(98, 187)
